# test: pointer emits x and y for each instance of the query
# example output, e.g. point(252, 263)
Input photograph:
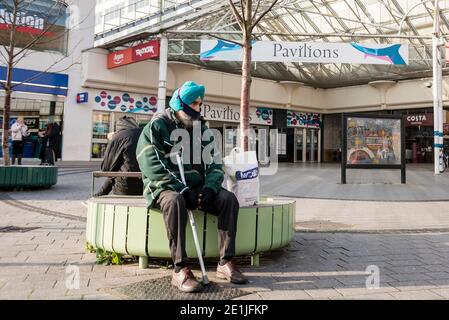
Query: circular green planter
point(28, 176)
point(124, 225)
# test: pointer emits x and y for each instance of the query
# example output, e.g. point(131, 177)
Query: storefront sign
point(141, 52)
point(32, 122)
point(146, 51)
point(82, 97)
point(312, 52)
point(124, 102)
point(228, 113)
point(45, 19)
point(419, 120)
point(303, 120)
point(37, 81)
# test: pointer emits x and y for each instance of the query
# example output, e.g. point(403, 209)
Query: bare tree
point(248, 18)
point(14, 16)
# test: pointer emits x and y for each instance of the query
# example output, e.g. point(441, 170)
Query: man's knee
point(170, 199)
point(226, 196)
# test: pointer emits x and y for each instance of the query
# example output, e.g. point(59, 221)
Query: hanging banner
point(312, 52)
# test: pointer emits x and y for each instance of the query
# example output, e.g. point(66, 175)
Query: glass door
point(299, 142)
point(101, 126)
point(312, 145)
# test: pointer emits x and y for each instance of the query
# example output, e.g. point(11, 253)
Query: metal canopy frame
point(381, 21)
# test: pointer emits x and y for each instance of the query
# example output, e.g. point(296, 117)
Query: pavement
point(342, 249)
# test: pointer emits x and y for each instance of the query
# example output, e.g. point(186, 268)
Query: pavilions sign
point(313, 52)
point(141, 52)
point(45, 19)
point(230, 113)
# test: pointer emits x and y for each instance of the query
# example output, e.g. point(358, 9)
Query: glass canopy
point(363, 21)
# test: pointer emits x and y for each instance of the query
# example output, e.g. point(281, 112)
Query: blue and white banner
point(308, 52)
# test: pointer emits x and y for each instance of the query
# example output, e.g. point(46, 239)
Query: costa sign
point(419, 119)
point(141, 52)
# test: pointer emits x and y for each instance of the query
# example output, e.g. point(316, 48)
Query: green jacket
point(158, 163)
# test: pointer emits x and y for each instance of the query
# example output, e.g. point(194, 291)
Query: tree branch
point(236, 14)
point(48, 69)
point(263, 14)
point(39, 36)
point(242, 6)
point(220, 38)
point(255, 11)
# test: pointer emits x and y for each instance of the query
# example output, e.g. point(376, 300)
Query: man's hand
point(191, 199)
point(206, 198)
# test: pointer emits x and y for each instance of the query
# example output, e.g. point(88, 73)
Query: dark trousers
point(225, 207)
point(17, 151)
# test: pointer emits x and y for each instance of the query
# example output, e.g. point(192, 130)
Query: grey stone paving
point(33, 265)
point(322, 181)
point(317, 265)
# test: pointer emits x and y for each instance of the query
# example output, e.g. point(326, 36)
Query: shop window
point(36, 114)
point(100, 128)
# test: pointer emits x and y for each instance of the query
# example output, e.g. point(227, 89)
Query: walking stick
point(193, 224)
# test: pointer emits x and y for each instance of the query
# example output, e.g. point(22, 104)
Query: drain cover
point(162, 289)
point(16, 229)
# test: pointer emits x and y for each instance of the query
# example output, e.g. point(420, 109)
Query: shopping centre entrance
point(307, 145)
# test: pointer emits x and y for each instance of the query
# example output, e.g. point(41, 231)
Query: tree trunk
point(6, 114)
point(245, 94)
point(8, 85)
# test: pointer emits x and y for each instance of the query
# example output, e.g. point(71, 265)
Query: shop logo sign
point(419, 119)
point(247, 175)
point(22, 19)
point(138, 53)
point(146, 51)
point(119, 58)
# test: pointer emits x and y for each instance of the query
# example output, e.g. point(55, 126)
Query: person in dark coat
point(51, 138)
point(120, 155)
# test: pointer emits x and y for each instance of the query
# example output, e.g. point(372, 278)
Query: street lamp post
point(437, 89)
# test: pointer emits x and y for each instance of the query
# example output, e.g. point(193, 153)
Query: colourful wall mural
point(299, 119)
point(124, 102)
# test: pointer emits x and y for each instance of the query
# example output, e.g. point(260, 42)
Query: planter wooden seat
point(124, 225)
point(28, 176)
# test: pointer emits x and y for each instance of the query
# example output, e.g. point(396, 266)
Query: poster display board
point(373, 142)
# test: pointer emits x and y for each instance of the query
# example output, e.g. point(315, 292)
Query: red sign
point(120, 58)
point(146, 51)
point(419, 120)
point(138, 53)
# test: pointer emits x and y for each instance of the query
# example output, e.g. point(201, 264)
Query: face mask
point(195, 115)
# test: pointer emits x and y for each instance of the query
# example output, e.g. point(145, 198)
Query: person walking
point(19, 131)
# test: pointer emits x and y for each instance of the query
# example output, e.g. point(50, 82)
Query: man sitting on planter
point(164, 189)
